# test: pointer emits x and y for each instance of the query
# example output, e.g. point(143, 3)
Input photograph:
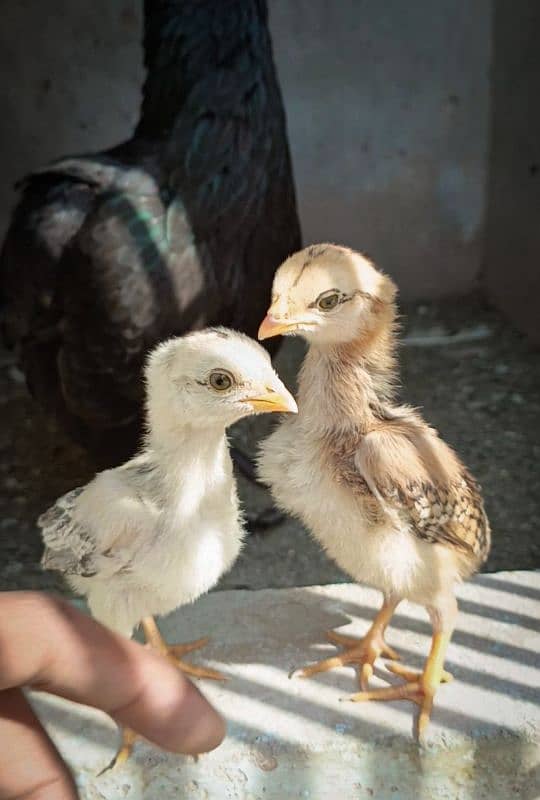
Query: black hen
point(180, 227)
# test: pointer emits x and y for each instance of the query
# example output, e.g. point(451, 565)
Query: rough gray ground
point(483, 396)
point(296, 739)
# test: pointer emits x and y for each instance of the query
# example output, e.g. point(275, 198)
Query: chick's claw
point(371, 640)
point(411, 675)
point(174, 652)
point(357, 652)
point(195, 671)
point(420, 688)
point(187, 647)
point(415, 691)
point(123, 753)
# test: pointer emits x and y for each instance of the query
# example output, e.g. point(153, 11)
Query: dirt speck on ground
point(482, 394)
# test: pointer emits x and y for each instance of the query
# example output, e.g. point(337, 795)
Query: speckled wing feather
point(452, 514)
point(69, 548)
point(404, 469)
point(100, 528)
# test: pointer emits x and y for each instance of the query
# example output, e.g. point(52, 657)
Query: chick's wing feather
point(69, 547)
point(417, 477)
point(95, 530)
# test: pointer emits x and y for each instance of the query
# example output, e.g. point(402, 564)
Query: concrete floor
point(301, 739)
point(483, 395)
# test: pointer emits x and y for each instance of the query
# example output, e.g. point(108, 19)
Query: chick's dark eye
point(220, 381)
point(326, 302)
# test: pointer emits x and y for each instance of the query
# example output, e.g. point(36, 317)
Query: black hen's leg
point(269, 517)
point(246, 466)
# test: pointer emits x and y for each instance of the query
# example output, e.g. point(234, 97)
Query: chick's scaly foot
point(412, 675)
point(357, 652)
point(419, 687)
point(417, 691)
point(129, 738)
point(174, 652)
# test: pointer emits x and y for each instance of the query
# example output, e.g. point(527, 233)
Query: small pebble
point(12, 483)
point(16, 375)
point(12, 569)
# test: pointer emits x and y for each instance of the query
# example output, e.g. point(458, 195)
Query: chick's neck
point(182, 448)
point(342, 386)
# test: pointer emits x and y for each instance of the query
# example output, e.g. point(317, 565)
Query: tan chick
point(160, 530)
point(387, 499)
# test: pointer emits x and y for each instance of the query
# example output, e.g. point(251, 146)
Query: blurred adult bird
point(180, 227)
point(388, 500)
point(160, 530)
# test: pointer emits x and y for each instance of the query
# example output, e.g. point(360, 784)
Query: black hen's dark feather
point(180, 227)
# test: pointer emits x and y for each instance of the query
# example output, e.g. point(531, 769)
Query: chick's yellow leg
point(412, 675)
point(421, 689)
point(129, 738)
point(174, 652)
point(362, 652)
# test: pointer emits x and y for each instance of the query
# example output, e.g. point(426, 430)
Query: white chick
point(160, 530)
point(387, 499)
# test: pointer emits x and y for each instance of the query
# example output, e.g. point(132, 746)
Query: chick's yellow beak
point(271, 327)
point(273, 401)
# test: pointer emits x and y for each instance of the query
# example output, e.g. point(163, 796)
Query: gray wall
point(388, 108)
point(388, 118)
point(511, 270)
point(70, 78)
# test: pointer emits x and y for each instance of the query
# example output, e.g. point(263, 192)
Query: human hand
point(46, 644)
